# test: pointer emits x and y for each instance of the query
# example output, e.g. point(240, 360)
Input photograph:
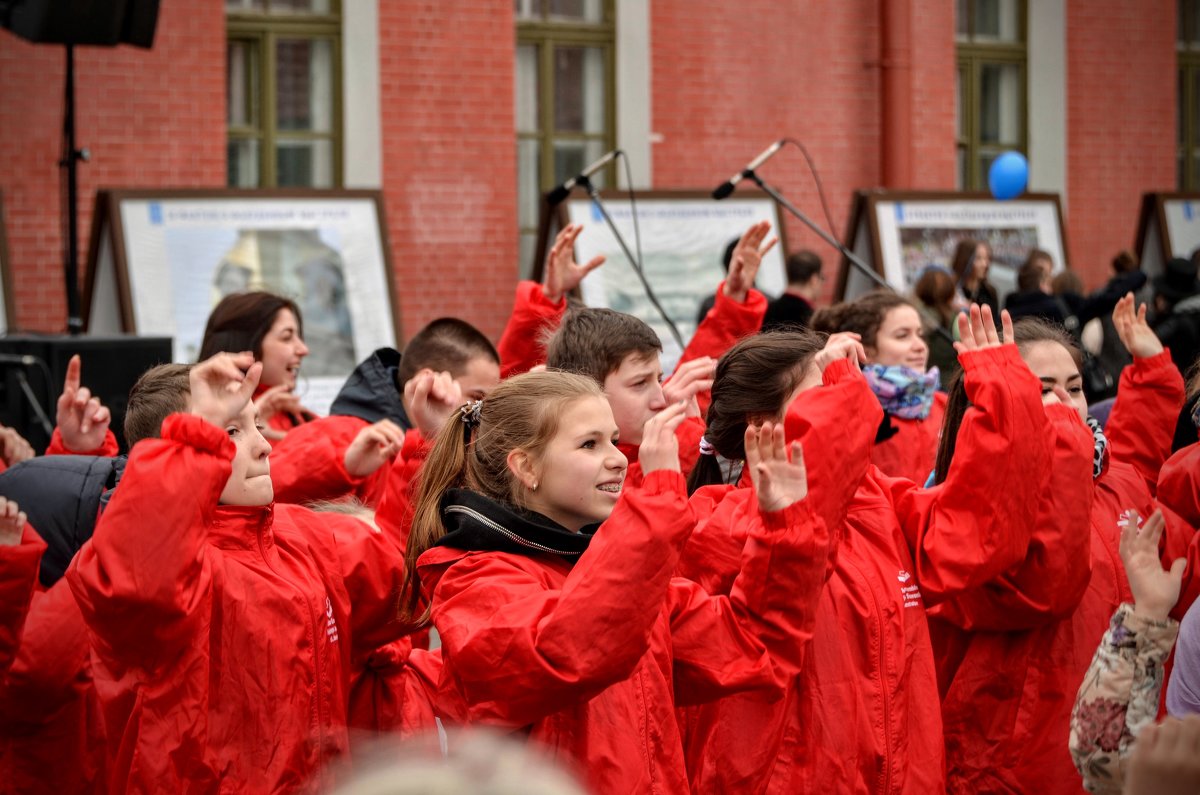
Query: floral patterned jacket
point(1119, 697)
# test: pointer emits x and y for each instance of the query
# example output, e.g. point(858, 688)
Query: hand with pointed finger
point(977, 329)
point(373, 447)
point(746, 259)
point(15, 448)
point(431, 398)
point(12, 523)
point(82, 419)
point(1155, 590)
point(1135, 333)
point(841, 345)
point(660, 447)
point(779, 482)
point(690, 379)
point(222, 385)
point(563, 273)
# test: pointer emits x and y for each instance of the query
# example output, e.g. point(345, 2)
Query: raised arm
point(82, 422)
point(1150, 394)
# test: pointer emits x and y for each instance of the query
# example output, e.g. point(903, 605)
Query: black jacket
point(371, 392)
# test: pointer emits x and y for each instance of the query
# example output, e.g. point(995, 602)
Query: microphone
point(23, 360)
point(726, 188)
point(564, 190)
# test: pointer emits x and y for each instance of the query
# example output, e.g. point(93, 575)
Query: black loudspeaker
point(37, 365)
point(98, 22)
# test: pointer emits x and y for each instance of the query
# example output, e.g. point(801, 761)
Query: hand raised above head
point(82, 420)
point(222, 385)
point(1155, 590)
point(563, 273)
point(977, 329)
point(1135, 333)
point(746, 259)
point(431, 398)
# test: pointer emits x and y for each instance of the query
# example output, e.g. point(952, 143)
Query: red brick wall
point(449, 158)
point(151, 118)
point(1121, 85)
point(728, 78)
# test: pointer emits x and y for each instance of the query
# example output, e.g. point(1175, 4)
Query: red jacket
point(221, 636)
point(521, 348)
point(309, 464)
point(591, 658)
point(1009, 660)
point(863, 715)
point(912, 451)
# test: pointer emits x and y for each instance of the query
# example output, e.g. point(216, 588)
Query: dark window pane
point(304, 164)
point(304, 84)
point(580, 100)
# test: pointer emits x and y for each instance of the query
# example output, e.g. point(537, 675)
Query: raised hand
point(278, 399)
point(13, 447)
point(12, 523)
point(777, 481)
point(431, 398)
point(747, 257)
point(563, 273)
point(373, 447)
point(1155, 590)
point(688, 380)
point(82, 420)
point(221, 386)
point(977, 329)
point(660, 448)
point(842, 345)
point(1135, 333)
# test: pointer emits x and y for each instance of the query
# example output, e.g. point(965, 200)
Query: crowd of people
point(884, 546)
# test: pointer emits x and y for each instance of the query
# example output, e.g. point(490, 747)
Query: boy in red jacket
point(220, 623)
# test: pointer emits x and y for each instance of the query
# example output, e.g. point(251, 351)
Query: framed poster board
point(1168, 227)
point(902, 233)
point(7, 310)
point(160, 260)
point(684, 235)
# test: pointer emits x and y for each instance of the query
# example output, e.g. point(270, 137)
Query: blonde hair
point(520, 414)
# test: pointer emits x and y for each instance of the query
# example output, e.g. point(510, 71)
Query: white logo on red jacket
point(911, 594)
point(331, 630)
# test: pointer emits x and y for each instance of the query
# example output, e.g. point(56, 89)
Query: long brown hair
point(754, 378)
point(521, 413)
point(1026, 333)
point(241, 321)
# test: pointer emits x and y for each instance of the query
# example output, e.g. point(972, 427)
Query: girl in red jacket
point(1012, 653)
point(863, 714)
point(893, 337)
point(579, 636)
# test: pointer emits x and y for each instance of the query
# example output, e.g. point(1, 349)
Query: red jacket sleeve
point(756, 637)
point(395, 513)
point(978, 522)
point(108, 449)
point(49, 668)
point(18, 579)
point(144, 580)
point(520, 651)
point(310, 462)
point(726, 323)
point(1179, 484)
point(1141, 427)
point(1048, 584)
point(521, 347)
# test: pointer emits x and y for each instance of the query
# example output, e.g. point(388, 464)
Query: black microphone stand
point(850, 256)
point(594, 193)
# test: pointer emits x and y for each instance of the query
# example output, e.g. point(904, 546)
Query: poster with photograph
point(162, 262)
point(902, 234)
point(683, 239)
point(1168, 227)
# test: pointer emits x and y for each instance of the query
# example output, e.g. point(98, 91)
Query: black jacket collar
point(476, 523)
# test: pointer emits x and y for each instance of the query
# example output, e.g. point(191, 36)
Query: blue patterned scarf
point(902, 391)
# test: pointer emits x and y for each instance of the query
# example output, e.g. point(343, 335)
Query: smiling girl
point(551, 584)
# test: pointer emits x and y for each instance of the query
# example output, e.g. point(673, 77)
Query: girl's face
point(979, 267)
point(580, 474)
point(282, 351)
point(900, 340)
point(1054, 366)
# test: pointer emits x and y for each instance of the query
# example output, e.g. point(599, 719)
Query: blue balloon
point(1008, 175)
